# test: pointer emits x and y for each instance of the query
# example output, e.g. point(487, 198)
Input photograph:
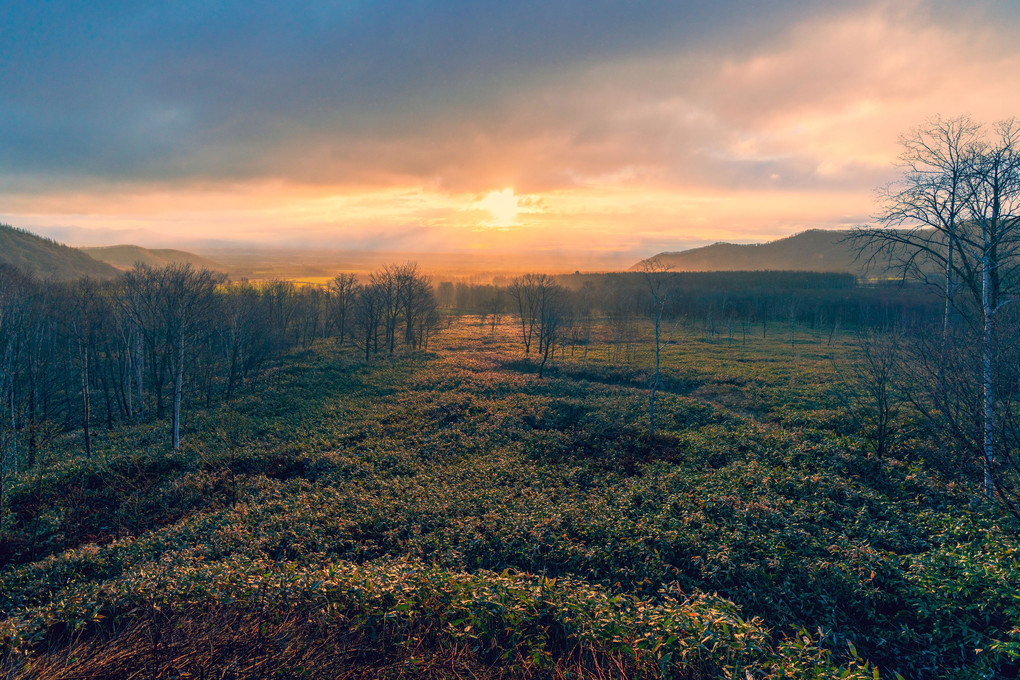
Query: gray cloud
point(156, 90)
point(471, 96)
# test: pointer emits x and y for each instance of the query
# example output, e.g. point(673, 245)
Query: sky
point(609, 127)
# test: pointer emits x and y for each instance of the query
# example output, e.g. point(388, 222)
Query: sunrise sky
point(598, 126)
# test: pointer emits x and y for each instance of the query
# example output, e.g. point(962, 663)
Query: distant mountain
point(818, 250)
point(125, 257)
point(48, 259)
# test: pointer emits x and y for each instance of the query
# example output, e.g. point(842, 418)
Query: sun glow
point(502, 205)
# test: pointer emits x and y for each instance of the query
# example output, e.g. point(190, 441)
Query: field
point(450, 514)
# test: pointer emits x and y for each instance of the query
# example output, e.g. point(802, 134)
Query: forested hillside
point(48, 259)
point(127, 256)
point(816, 250)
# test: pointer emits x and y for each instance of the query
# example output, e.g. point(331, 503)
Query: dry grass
point(221, 643)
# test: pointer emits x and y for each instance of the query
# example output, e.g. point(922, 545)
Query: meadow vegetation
point(449, 513)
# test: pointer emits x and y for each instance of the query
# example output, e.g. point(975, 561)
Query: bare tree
point(187, 297)
point(396, 297)
point(13, 317)
point(282, 300)
point(869, 382)
point(140, 300)
point(538, 303)
point(367, 315)
point(959, 201)
point(311, 317)
point(386, 294)
point(924, 210)
point(493, 306)
point(654, 270)
point(994, 210)
point(168, 305)
point(523, 292)
point(551, 318)
point(245, 344)
point(582, 321)
point(416, 303)
point(343, 290)
point(85, 318)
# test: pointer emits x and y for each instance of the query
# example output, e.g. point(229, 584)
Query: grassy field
point(450, 514)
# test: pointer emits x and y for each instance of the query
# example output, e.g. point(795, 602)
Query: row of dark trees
point(562, 311)
point(85, 354)
point(711, 300)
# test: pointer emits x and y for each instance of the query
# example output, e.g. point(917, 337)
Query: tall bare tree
point(368, 311)
point(187, 299)
point(924, 210)
point(552, 313)
point(415, 301)
point(528, 293)
point(654, 270)
point(85, 319)
point(343, 290)
point(958, 212)
point(994, 210)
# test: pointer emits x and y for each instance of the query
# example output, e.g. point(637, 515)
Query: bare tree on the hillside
point(246, 345)
point(386, 283)
point(282, 301)
point(187, 296)
point(994, 209)
point(416, 304)
point(538, 302)
point(581, 328)
point(88, 312)
point(14, 320)
point(168, 305)
point(140, 300)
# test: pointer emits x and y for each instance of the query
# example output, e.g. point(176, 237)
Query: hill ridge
point(124, 256)
point(48, 259)
point(824, 250)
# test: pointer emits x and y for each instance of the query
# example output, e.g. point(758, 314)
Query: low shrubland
point(450, 514)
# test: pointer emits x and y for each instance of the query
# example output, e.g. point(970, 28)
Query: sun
point(503, 207)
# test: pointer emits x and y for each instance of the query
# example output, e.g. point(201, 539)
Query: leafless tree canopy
point(953, 220)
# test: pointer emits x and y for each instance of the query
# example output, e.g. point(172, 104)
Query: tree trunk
point(940, 378)
point(86, 406)
point(139, 366)
point(158, 373)
point(14, 435)
point(988, 375)
point(107, 399)
point(178, 388)
point(32, 421)
point(545, 357)
point(655, 378)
